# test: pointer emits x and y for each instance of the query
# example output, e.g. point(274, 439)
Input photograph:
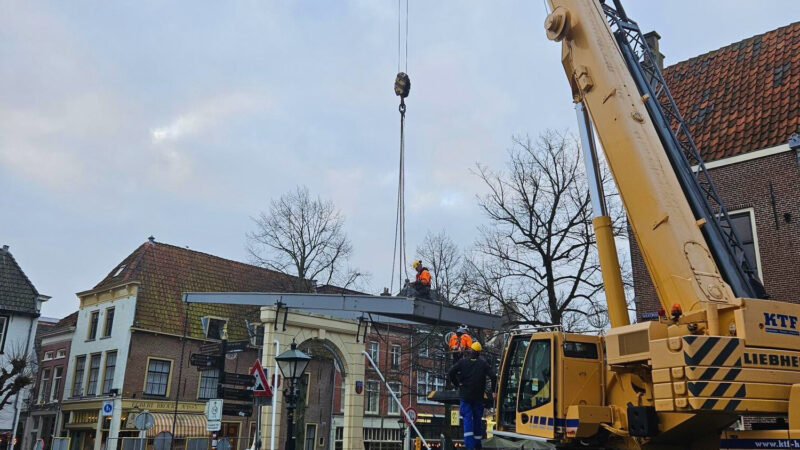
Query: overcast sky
point(121, 120)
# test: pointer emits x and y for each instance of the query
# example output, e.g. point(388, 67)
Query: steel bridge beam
point(401, 309)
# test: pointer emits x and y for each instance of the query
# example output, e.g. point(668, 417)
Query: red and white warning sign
point(260, 388)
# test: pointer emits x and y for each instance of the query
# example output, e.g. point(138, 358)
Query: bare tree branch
point(536, 258)
point(304, 237)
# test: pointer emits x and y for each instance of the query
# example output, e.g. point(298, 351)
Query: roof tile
point(742, 97)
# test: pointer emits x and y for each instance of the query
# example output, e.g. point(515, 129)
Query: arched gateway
point(336, 322)
point(339, 337)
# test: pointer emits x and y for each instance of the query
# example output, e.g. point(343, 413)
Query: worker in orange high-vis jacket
point(423, 281)
point(460, 342)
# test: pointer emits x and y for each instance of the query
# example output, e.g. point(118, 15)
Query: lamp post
point(292, 364)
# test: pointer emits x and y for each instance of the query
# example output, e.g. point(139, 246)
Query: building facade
point(44, 411)
point(742, 105)
point(20, 304)
point(133, 340)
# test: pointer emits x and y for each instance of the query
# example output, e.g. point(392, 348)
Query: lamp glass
point(292, 362)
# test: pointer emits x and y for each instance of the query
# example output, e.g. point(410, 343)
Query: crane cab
point(542, 375)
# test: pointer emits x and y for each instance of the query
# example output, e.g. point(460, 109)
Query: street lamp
point(293, 364)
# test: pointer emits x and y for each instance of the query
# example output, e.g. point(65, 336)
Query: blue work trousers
point(472, 415)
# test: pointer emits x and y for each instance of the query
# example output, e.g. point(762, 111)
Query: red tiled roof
point(742, 97)
point(165, 272)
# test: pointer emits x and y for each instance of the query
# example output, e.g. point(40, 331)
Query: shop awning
point(186, 425)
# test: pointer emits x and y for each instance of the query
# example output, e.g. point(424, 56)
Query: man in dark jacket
point(469, 375)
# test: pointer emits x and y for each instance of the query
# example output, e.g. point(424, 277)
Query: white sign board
point(108, 408)
point(213, 425)
point(214, 409)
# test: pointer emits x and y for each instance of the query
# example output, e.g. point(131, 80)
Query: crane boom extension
point(697, 185)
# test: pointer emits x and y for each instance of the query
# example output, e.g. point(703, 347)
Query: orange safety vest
point(466, 342)
point(424, 277)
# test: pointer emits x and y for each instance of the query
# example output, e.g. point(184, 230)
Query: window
point(395, 356)
point(374, 351)
point(93, 319)
point(259, 335)
point(108, 373)
point(48, 356)
point(109, 322)
point(427, 382)
point(311, 436)
point(58, 374)
point(215, 328)
point(77, 381)
point(507, 411)
point(534, 389)
point(573, 349)
point(44, 386)
point(422, 350)
point(209, 379)
point(3, 326)
point(305, 387)
point(94, 374)
point(61, 353)
point(743, 223)
point(393, 408)
point(373, 391)
point(157, 377)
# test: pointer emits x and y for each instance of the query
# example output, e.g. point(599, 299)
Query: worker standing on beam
point(469, 375)
point(423, 282)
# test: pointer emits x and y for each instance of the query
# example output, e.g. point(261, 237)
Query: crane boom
point(681, 264)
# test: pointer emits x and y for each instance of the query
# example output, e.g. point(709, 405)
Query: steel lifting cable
point(402, 87)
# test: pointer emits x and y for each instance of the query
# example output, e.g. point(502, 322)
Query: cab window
point(509, 384)
point(535, 386)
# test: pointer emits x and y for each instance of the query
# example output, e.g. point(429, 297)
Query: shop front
point(84, 423)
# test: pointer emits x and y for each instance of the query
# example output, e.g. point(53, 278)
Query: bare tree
point(303, 236)
point(16, 374)
point(536, 258)
point(446, 261)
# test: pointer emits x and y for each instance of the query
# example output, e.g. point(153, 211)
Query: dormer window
point(215, 328)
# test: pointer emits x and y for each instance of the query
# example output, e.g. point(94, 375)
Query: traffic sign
point(239, 379)
point(238, 409)
point(144, 421)
point(214, 409)
point(213, 425)
point(201, 360)
point(237, 346)
point(213, 348)
point(411, 413)
point(260, 388)
point(242, 395)
point(108, 408)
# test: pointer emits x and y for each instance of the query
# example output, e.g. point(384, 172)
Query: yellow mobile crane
point(720, 349)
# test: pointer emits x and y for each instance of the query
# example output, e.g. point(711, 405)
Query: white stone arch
point(339, 334)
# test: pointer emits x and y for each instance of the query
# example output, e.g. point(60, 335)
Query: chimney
point(152, 241)
point(652, 39)
point(5, 248)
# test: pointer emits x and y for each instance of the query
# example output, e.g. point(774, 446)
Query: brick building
point(742, 105)
point(128, 348)
point(53, 345)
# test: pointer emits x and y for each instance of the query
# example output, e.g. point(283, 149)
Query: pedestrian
point(469, 375)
